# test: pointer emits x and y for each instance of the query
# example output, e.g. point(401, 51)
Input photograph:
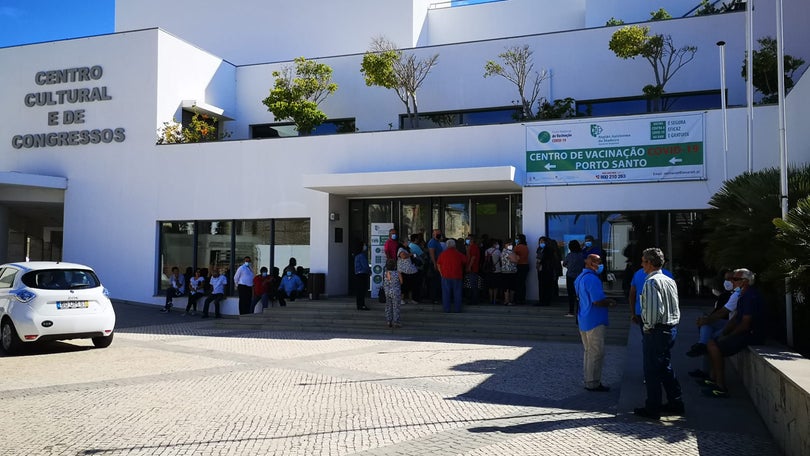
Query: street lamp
point(722, 46)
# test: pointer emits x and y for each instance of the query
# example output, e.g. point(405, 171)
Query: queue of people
point(256, 292)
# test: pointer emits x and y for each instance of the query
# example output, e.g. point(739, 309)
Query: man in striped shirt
point(660, 315)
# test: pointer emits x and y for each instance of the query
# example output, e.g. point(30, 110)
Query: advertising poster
point(592, 151)
point(379, 234)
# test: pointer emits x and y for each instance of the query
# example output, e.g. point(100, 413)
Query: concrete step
point(426, 320)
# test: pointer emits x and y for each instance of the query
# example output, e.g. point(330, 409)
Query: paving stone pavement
point(173, 385)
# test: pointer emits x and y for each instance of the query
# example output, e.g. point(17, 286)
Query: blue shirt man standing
point(593, 320)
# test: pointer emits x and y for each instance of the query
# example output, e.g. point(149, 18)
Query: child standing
point(393, 293)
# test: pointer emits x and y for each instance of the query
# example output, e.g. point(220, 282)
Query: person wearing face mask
point(591, 247)
point(508, 273)
point(434, 280)
point(548, 267)
point(291, 287)
point(361, 272)
point(746, 327)
point(660, 314)
point(217, 283)
point(711, 325)
point(574, 263)
point(391, 245)
point(522, 251)
point(472, 280)
point(491, 268)
point(262, 288)
point(592, 320)
point(244, 285)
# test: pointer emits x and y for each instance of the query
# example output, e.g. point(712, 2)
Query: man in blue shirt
point(291, 287)
point(593, 321)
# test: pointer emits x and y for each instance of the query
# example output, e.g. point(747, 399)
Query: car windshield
point(60, 279)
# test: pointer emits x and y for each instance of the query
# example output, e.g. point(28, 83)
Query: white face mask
point(728, 285)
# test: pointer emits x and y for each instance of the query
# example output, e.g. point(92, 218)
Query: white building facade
point(82, 178)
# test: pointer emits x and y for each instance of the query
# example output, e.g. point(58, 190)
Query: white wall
point(500, 19)
point(600, 11)
point(189, 73)
point(249, 31)
point(457, 81)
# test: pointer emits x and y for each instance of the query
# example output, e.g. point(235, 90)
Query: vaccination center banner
point(590, 151)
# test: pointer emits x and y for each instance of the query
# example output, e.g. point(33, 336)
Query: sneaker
point(698, 373)
point(643, 412)
point(569, 315)
point(696, 350)
point(164, 310)
point(397, 325)
point(715, 392)
point(673, 408)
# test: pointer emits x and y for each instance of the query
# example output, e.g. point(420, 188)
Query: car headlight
point(24, 296)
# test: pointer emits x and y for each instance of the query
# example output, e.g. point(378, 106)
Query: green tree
point(794, 234)
point(202, 128)
point(298, 93)
point(658, 50)
point(386, 66)
point(766, 69)
point(559, 109)
point(517, 68)
point(660, 15)
point(613, 22)
point(741, 232)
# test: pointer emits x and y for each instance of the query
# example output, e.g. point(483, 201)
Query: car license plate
point(72, 304)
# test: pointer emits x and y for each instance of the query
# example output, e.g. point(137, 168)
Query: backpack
point(488, 266)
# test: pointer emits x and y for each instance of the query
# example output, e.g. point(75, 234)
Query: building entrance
point(498, 216)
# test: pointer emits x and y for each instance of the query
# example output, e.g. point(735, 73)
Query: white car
point(45, 300)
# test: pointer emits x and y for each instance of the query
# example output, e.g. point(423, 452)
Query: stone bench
point(778, 381)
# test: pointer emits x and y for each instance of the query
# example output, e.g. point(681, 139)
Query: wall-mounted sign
point(649, 149)
point(62, 103)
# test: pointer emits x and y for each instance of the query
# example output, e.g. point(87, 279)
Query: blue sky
point(33, 21)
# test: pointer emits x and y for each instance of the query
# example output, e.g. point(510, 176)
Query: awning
point(453, 181)
point(204, 108)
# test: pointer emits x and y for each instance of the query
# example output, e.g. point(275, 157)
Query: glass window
point(253, 240)
point(415, 220)
point(60, 279)
point(214, 248)
point(492, 216)
point(456, 218)
point(442, 119)
point(693, 101)
point(287, 129)
point(176, 249)
point(624, 236)
point(292, 241)
point(497, 116)
point(7, 277)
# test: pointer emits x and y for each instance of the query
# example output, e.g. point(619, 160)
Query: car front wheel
point(103, 341)
point(8, 337)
